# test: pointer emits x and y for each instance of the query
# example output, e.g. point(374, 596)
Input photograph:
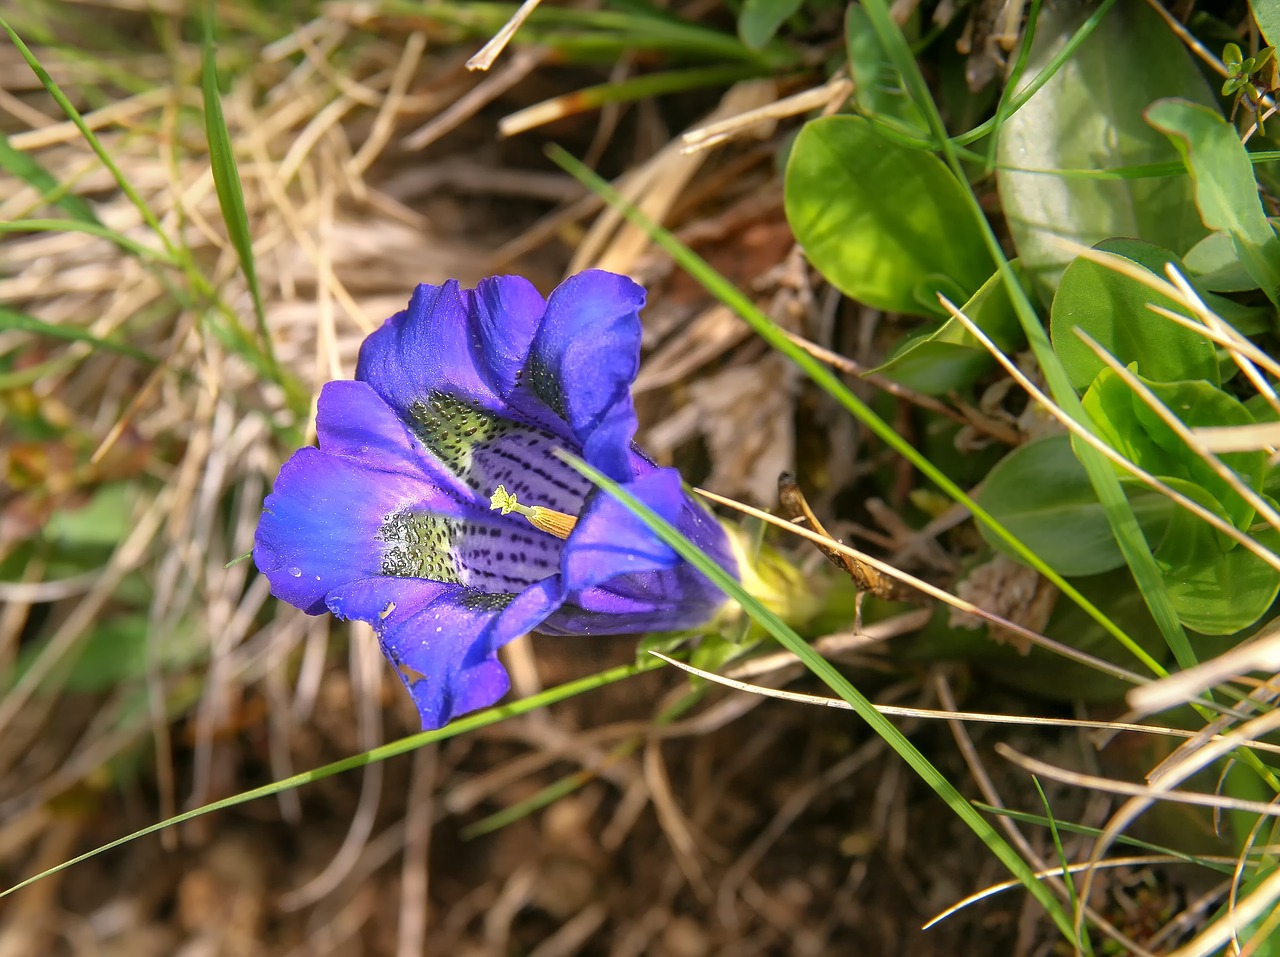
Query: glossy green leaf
point(1089, 116)
point(1112, 309)
point(1216, 589)
point(886, 225)
point(1131, 427)
point(1041, 493)
point(760, 20)
point(1226, 191)
point(950, 357)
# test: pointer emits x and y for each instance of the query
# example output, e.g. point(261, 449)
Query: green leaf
point(1112, 309)
point(1226, 190)
point(887, 225)
point(1216, 266)
point(950, 357)
point(760, 20)
point(1089, 116)
point(104, 520)
point(1216, 590)
point(1266, 14)
point(1042, 672)
point(1042, 494)
point(1134, 430)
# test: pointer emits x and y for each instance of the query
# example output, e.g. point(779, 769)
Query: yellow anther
point(547, 519)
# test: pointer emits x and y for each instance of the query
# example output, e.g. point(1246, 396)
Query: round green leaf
point(1215, 265)
point(878, 220)
point(1112, 308)
point(1123, 420)
point(1215, 590)
point(1042, 494)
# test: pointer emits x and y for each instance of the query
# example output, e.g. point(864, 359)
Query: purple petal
point(381, 599)
point(319, 526)
point(584, 359)
point(462, 343)
point(443, 639)
point(619, 577)
point(353, 421)
point(609, 540)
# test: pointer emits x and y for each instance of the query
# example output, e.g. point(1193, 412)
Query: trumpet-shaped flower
point(437, 509)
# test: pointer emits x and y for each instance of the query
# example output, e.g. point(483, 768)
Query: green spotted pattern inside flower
point(451, 429)
point(420, 545)
point(493, 554)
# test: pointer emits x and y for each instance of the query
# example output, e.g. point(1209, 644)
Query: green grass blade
point(1006, 107)
point(92, 228)
point(732, 298)
point(12, 319)
point(1072, 895)
point(95, 144)
point(226, 181)
point(1025, 817)
point(27, 169)
point(841, 686)
point(403, 746)
point(1022, 97)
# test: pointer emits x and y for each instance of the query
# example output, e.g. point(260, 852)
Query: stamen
point(547, 519)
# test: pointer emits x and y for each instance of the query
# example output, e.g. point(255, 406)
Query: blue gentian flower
point(464, 396)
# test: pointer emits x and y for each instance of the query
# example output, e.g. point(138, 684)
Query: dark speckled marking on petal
point(546, 385)
point(474, 600)
point(451, 428)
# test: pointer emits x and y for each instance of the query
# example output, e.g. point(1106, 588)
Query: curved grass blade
point(95, 144)
point(825, 671)
point(29, 170)
point(403, 746)
point(91, 227)
point(12, 319)
point(1073, 895)
point(226, 182)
